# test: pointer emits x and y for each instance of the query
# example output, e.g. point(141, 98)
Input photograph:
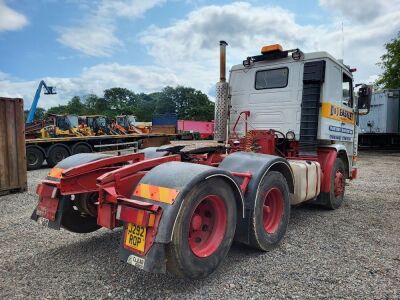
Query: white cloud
point(126, 8)
point(186, 52)
point(11, 19)
point(360, 11)
point(96, 35)
point(241, 24)
point(92, 80)
point(190, 46)
point(92, 39)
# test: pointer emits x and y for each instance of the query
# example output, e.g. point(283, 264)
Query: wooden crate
point(12, 146)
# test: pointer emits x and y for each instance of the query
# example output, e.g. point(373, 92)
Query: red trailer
point(205, 128)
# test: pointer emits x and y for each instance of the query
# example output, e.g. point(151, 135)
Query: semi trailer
point(285, 134)
point(53, 150)
point(380, 129)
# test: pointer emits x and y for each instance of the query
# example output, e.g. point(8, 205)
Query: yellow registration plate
point(135, 237)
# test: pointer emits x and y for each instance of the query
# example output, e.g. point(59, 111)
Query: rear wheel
point(34, 158)
point(204, 230)
point(76, 219)
point(81, 148)
point(271, 213)
point(334, 198)
point(56, 154)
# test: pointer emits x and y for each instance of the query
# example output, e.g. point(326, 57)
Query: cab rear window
point(272, 79)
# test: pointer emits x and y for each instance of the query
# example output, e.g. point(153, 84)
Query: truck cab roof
point(306, 57)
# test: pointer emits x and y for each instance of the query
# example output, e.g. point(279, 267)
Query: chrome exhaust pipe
point(222, 98)
point(222, 61)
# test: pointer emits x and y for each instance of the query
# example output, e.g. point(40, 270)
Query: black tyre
point(270, 217)
point(76, 220)
point(334, 198)
point(34, 158)
point(56, 154)
point(87, 203)
point(81, 148)
point(204, 230)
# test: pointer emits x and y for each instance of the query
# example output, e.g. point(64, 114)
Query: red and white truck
point(285, 133)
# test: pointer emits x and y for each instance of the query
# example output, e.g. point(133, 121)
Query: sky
point(87, 46)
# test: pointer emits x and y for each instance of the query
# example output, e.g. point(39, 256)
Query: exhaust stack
point(222, 61)
point(222, 98)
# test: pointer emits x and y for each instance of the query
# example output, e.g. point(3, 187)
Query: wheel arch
point(235, 189)
point(76, 160)
point(183, 177)
point(285, 170)
point(258, 165)
point(341, 152)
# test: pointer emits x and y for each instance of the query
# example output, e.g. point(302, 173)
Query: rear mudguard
point(69, 162)
point(258, 165)
point(76, 160)
point(182, 177)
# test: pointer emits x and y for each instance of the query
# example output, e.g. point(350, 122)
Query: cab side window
point(347, 91)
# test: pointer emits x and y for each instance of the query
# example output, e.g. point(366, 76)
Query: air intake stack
point(222, 98)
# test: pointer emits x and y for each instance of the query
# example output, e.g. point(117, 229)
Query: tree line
point(187, 103)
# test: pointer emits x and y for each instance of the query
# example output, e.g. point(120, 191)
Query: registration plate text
point(135, 237)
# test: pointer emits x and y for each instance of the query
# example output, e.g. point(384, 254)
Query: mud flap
point(56, 224)
point(153, 261)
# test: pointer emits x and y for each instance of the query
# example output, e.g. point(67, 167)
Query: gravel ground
point(353, 252)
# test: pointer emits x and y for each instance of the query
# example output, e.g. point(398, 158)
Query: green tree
point(145, 106)
point(40, 113)
point(58, 110)
point(390, 63)
point(95, 104)
point(187, 103)
point(120, 100)
point(75, 106)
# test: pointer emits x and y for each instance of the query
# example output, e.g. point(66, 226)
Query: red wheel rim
point(207, 226)
point(339, 184)
point(272, 210)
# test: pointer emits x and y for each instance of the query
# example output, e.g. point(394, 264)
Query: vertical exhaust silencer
point(222, 98)
point(222, 61)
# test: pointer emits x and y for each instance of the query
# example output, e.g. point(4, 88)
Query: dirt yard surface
point(353, 252)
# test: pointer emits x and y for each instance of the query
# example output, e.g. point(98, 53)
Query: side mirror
point(364, 99)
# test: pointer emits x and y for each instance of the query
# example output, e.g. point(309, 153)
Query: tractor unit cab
point(305, 100)
point(285, 134)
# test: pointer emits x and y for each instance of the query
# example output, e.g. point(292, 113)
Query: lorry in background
point(284, 135)
point(380, 129)
point(204, 129)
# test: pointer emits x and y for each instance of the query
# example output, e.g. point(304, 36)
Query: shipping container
point(204, 128)
point(164, 119)
point(384, 114)
point(12, 146)
point(380, 129)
